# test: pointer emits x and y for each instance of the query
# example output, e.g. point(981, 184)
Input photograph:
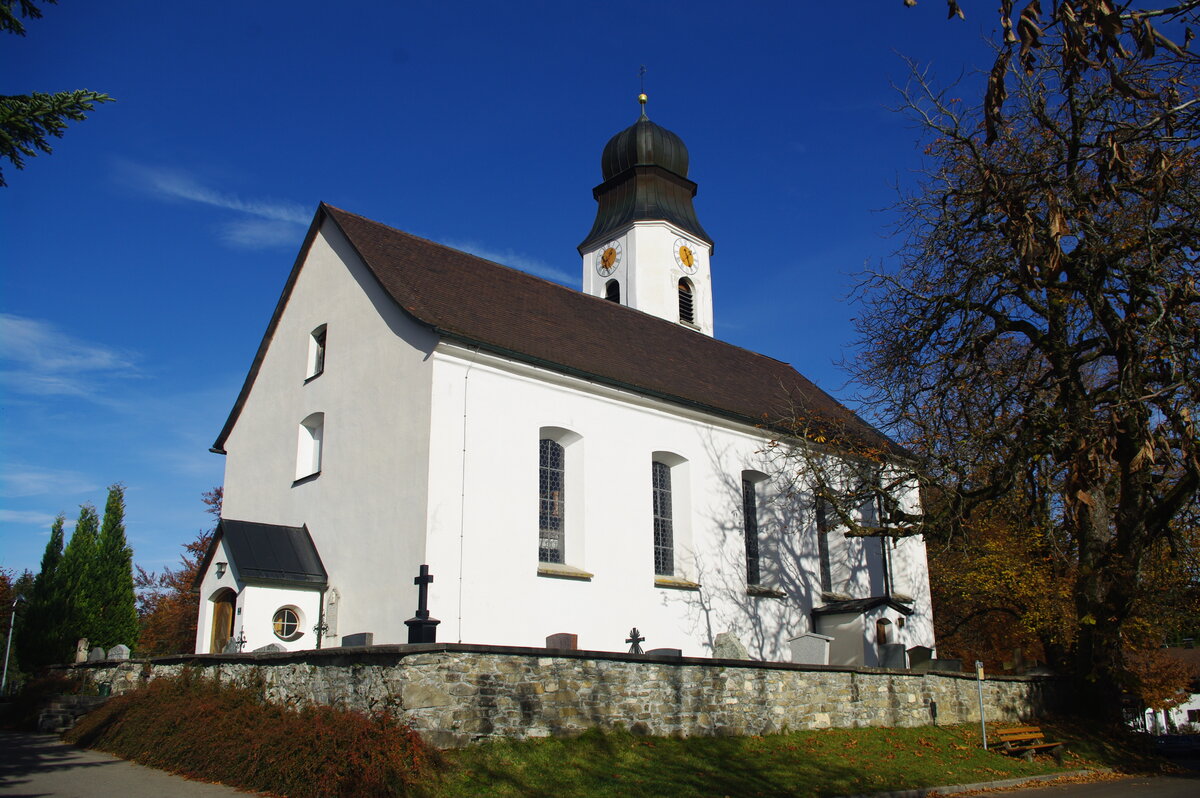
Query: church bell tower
point(646, 249)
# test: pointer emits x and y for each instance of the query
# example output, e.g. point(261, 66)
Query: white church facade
point(564, 461)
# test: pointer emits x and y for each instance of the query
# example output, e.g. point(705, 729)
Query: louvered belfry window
point(687, 302)
point(612, 291)
point(551, 509)
point(664, 531)
point(750, 521)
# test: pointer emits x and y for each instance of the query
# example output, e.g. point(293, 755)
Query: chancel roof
point(508, 312)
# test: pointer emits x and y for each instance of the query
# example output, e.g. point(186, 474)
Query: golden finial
point(642, 99)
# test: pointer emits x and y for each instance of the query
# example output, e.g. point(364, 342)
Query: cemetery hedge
point(207, 730)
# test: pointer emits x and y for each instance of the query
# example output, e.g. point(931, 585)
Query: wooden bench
point(1025, 741)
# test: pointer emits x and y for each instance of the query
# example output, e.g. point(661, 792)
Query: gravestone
point(893, 655)
point(727, 646)
point(232, 647)
point(119, 651)
point(96, 655)
point(563, 640)
point(81, 650)
point(946, 665)
point(666, 652)
point(422, 628)
point(359, 639)
point(810, 648)
point(269, 648)
point(919, 658)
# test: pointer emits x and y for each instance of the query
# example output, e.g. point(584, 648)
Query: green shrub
point(205, 729)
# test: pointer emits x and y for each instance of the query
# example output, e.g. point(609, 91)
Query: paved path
point(37, 765)
point(1133, 787)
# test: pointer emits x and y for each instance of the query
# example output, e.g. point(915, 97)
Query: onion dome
point(645, 170)
point(644, 144)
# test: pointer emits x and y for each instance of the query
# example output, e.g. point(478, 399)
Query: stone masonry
point(456, 693)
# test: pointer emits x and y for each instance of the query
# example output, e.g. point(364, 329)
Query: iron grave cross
point(422, 628)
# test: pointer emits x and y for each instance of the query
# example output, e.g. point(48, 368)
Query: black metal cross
point(422, 583)
point(636, 640)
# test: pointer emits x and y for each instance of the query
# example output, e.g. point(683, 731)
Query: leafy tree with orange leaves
point(168, 605)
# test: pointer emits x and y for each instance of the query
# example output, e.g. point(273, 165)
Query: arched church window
point(612, 291)
point(687, 302)
point(750, 480)
point(552, 501)
point(664, 527)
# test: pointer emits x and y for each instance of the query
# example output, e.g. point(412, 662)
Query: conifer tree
point(78, 571)
point(116, 618)
point(43, 636)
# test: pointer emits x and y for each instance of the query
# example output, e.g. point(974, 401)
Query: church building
point(564, 461)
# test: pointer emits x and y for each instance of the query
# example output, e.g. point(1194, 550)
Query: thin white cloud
point(515, 260)
point(261, 223)
point(20, 480)
point(34, 518)
point(41, 360)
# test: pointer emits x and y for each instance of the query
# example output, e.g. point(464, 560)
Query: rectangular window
point(750, 524)
point(1193, 715)
point(664, 532)
point(551, 508)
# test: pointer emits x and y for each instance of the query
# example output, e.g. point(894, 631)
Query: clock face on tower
point(685, 256)
point(608, 258)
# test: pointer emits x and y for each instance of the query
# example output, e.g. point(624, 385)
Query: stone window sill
point(764, 592)
point(312, 377)
point(676, 583)
point(557, 570)
point(308, 478)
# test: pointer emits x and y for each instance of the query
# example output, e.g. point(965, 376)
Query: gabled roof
point(480, 303)
point(267, 553)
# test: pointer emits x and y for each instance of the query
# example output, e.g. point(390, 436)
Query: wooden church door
point(222, 629)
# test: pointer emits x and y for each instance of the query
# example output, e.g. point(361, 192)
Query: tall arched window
point(552, 501)
point(687, 301)
point(750, 527)
point(308, 447)
point(664, 526)
point(612, 291)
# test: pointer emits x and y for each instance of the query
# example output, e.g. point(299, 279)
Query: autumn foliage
point(205, 729)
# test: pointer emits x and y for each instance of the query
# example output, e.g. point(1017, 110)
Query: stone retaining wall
point(457, 693)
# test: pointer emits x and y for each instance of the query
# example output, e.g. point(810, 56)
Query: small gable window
point(316, 352)
point(687, 302)
point(612, 291)
point(308, 448)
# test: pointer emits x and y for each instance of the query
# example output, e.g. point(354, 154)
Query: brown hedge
point(219, 732)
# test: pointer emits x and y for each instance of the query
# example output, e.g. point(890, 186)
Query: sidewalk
point(41, 765)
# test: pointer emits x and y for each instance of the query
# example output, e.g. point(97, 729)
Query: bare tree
point(1038, 342)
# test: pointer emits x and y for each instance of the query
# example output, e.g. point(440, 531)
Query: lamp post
point(12, 620)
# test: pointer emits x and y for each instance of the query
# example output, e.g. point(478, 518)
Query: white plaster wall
point(649, 275)
point(482, 530)
point(848, 633)
point(366, 510)
point(209, 587)
point(259, 604)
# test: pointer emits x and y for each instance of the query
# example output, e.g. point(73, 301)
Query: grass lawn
point(807, 763)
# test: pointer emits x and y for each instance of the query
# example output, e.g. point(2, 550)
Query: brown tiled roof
point(527, 318)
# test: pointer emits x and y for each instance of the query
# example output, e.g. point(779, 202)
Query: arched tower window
point(612, 291)
point(687, 301)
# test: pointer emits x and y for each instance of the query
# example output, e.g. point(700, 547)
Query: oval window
point(287, 623)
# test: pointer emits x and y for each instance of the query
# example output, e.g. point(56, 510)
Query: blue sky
point(140, 263)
